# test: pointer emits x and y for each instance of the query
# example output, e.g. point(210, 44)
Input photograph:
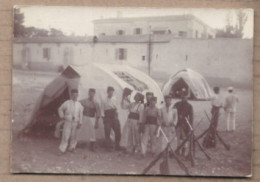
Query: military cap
point(109, 88)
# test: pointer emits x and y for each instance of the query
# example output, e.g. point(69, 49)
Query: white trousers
point(69, 136)
point(58, 129)
point(171, 136)
point(231, 120)
point(87, 131)
point(149, 135)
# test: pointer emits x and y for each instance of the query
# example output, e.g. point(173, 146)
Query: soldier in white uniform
point(169, 122)
point(230, 108)
point(125, 103)
point(71, 111)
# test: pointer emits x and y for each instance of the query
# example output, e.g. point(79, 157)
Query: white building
point(184, 26)
point(50, 53)
point(210, 57)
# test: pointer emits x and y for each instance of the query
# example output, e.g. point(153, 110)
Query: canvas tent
point(192, 82)
point(98, 76)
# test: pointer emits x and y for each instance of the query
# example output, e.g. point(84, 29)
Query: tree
point(231, 31)
point(55, 33)
point(241, 21)
point(35, 32)
point(19, 29)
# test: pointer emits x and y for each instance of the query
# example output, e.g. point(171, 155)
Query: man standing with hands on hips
point(71, 111)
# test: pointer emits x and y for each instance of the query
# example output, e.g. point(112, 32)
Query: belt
point(90, 112)
point(151, 120)
point(71, 118)
point(216, 107)
point(133, 115)
point(110, 113)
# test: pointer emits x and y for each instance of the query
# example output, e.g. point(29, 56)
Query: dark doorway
point(179, 87)
point(47, 116)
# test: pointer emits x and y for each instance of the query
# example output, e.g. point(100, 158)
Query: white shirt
point(71, 111)
point(108, 103)
point(231, 103)
point(216, 101)
point(169, 115)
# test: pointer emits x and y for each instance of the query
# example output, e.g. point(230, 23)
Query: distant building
point(168, 54)
point(183, 26)
point(50, 53)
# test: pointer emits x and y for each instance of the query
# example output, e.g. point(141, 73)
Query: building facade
point(182, 26)
point(210, 57)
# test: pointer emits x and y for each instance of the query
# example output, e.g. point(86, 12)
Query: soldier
point(125, 103)
point(133, 122)
point(210, 139)
point(110, 119)
point(230, 108)
point(169, 121)
point(71, 111)
point(151, 120)
point(148, 96)
point(125, 98)
point(91, 115)
point(185, 115)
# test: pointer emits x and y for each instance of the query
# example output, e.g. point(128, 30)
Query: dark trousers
point(210, 138)
point(113, 124)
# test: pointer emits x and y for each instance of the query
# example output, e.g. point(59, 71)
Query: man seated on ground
point(71, 111)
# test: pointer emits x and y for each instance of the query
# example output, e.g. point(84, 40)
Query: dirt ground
point(39, 155)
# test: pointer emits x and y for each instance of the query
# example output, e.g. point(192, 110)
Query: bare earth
point(39, 155)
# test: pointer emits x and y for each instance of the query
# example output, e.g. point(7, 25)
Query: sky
point(78, 20)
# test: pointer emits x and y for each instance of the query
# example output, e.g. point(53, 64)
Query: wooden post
point(149, 51)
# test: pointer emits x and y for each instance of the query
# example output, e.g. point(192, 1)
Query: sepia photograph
point(132, 91)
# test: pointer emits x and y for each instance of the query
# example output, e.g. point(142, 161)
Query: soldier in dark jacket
point(185, 115)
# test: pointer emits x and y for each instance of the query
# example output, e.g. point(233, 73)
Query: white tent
point(98, 76)
point(194, 83)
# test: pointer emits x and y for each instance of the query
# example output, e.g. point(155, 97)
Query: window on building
point(143, 58)
point(182, 34)
point(196, 34)
point(158, 32)
point(68, 55)
point(121, 54)
point(137, 31)
point(120, 32)
point(47, 53)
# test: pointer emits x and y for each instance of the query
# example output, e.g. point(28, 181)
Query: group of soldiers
point(146, 125)
point(140, 132)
